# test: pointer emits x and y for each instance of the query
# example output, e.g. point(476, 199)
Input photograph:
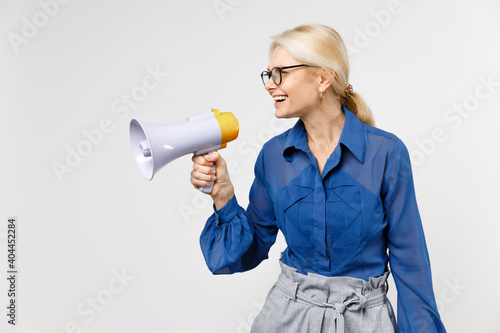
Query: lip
point(277, 103)
point(279, 95)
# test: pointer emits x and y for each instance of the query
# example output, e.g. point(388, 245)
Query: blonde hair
point(322, 46)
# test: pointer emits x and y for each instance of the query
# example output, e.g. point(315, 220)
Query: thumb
point(212, 157)
point(218, 161)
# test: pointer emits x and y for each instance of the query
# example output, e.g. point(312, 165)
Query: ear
point(326, 79)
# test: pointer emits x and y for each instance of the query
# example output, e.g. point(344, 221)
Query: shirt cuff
point(228, 212)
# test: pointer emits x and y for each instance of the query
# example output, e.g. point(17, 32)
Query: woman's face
point(298, 94)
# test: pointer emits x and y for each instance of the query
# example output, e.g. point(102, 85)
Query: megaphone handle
point(208, 189)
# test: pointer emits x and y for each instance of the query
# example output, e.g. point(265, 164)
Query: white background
point(79, 229)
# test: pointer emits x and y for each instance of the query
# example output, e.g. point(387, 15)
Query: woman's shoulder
point(274, 146)
point(383, 138)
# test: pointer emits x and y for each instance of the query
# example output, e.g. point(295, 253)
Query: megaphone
point(154, 145)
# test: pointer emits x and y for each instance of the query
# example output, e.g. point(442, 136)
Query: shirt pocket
point(343, 216)
point(298, 206)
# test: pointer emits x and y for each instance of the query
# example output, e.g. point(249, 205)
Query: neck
point(325, 124)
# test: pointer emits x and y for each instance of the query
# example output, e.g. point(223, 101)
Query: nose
point(270, 85)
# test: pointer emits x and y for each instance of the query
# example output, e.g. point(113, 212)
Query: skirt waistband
point(332, 289)
point(333, 294)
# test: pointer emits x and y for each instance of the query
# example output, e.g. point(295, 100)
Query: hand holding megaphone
point(154, 146)
point(204, 173)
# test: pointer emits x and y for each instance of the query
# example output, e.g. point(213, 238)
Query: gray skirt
point(313, 303)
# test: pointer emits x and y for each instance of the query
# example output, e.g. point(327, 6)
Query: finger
point(212, 157)
point(207, 170)
point(215, 157)
point(197, 182)
point(202, 176)
point(199, 159)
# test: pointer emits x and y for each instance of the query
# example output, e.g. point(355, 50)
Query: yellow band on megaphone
point(229, 126)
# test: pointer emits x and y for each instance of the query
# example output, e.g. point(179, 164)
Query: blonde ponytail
point(322, 46)
point(357, 105)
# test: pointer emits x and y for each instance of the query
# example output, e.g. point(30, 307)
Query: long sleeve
point(408, 256)
point(235, 240)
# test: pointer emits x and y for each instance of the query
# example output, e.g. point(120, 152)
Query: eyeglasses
point(276, 74)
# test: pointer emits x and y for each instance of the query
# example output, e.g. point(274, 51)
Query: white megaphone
point(154, 146)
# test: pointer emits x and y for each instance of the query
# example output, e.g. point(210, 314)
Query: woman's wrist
point(222, 197)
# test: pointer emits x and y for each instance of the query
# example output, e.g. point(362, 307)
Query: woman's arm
point(235, 239)
point(408, 256)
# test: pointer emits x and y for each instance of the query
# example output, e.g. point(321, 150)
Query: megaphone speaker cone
point(141, 149)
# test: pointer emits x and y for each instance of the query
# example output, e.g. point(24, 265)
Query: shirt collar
point(352, 137)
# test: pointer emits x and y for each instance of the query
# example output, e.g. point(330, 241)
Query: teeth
point(280, 98)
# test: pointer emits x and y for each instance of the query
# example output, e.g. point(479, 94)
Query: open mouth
point(280, 98)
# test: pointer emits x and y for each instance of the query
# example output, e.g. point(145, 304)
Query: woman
point(340, 190)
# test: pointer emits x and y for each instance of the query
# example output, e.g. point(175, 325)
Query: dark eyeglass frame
point(269, 75)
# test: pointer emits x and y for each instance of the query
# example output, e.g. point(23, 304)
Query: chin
point(283, 113)
point(279, 114)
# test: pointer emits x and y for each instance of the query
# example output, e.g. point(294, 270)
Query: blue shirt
point(353, 220)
